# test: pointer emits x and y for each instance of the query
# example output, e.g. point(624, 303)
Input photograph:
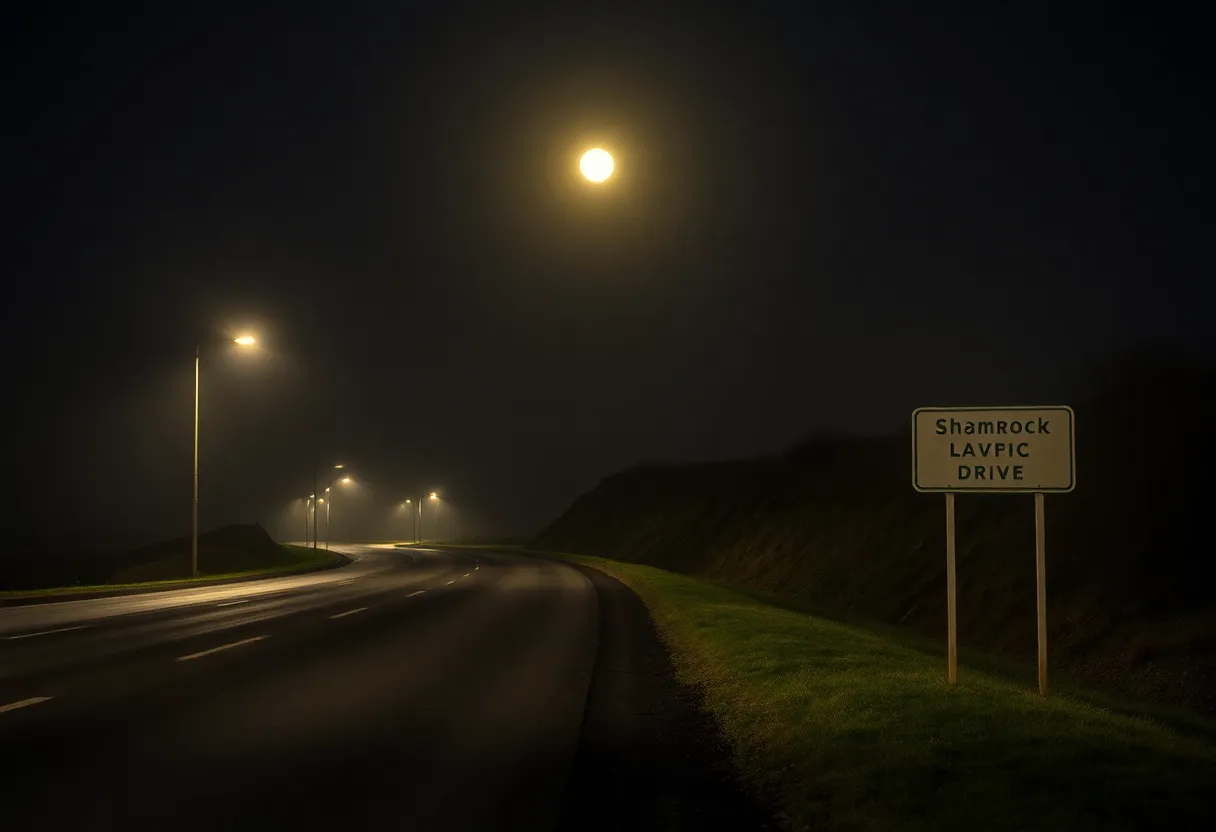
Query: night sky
point(824, 215)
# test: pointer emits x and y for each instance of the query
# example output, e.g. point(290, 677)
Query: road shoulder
point(649, 757)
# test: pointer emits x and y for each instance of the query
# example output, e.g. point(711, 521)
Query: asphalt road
point(424, 690)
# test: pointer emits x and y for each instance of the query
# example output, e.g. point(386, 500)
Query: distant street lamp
point(432, 496)
point(242, 341)
point(452, 509)
point(328, 500)
point(406, 505)
point(436, 499)
point(307, 516)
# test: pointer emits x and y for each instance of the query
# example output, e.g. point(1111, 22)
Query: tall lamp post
point(435, 499)
point(327, 499)
point(408, 505)
point(242, 341)
point(453, 509)
point(328, 508)
point(432, 496)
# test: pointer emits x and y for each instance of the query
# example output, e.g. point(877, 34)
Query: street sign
point(998, 450)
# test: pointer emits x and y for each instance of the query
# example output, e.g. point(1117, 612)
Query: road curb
point(342, 560)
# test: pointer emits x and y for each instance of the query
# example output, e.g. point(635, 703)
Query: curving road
point(426, 690)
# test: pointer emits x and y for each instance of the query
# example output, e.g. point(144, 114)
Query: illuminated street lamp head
point(245, 341)
point(345, 480)
point(339, 466)
point(596, 165)
point(434, 496)
point(407, 502)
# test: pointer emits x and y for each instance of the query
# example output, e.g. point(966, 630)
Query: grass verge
point(855, 730)
point(303, 559)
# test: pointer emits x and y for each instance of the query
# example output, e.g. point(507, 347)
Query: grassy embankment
point(857, 730)
point(225, 554)
point(834, 526)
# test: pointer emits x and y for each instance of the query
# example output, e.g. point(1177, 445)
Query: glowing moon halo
point(596, 165)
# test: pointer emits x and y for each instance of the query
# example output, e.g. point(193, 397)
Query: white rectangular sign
point(997, 449)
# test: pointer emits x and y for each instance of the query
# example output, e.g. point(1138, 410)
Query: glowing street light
point(242, 341)
point(596, 165)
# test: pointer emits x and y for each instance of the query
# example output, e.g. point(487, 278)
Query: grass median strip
point(856, 731)
point(302, 559)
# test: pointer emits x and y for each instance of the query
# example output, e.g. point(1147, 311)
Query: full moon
point(596, 165)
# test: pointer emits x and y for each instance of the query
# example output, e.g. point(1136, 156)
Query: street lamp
point(433, 497)
point(453, 509)
point(315, 476)
point(412, 517)
point(241, 341)
point(328, 501)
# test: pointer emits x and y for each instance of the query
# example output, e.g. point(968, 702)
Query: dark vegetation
point(833, 525)
point(223, 551)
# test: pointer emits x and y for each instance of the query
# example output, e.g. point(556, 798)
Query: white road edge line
point(475, 568)
point(49, 632)
point(466, 574)
point(220, 648)
point(449, 583)
point(412, 594)
point(348, 612)
point(233, 603)
point(24, 703)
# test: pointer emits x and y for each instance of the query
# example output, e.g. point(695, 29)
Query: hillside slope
point(222, 551)
point(834, 524)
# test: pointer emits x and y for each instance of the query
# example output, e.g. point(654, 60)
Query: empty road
point(426, 689)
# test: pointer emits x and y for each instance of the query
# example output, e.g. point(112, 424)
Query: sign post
point(951, 597)
point(1040, 574)
point(1005, 450)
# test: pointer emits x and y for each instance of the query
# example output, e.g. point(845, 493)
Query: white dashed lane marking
point(348, 612)
point(221, 648)
point(48, 632)
point(24, 703)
